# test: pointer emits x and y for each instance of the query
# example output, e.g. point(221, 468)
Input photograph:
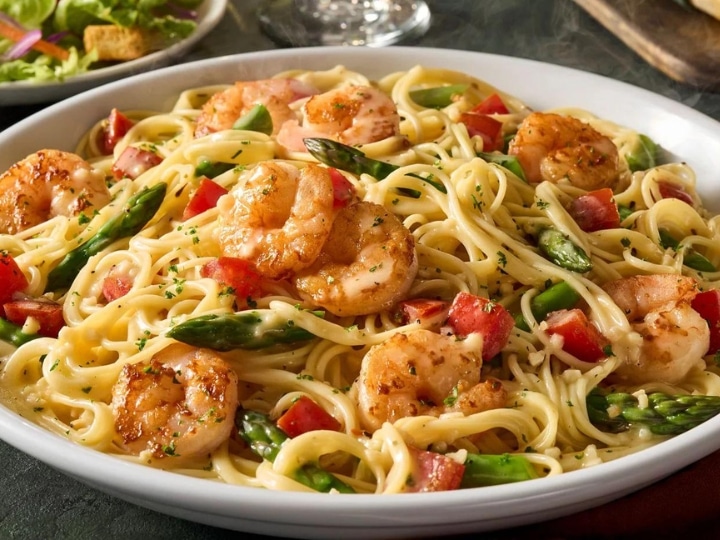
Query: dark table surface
point(39, 502)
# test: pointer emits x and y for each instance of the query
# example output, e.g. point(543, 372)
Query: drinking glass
point(372, 23)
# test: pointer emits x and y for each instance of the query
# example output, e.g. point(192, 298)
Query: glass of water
point(372, 23)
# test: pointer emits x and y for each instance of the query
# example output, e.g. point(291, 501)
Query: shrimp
point(351, 115)
point(423, 372)
point(278, 219)
point(367, 263)
point(222, 110)
point(552, 147)
point(675, 336)
point(180, 404)
point(46, 184)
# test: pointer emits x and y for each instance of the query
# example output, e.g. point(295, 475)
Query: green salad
point(42, 40)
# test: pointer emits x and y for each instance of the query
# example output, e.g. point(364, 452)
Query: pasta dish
point(322, 282)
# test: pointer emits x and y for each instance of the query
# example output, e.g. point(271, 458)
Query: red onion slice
point(21, 47)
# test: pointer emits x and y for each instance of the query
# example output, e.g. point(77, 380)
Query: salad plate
point(209, 15)
point(683, 133)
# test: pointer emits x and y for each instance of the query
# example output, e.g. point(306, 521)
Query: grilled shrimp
point(675, 336)
point(351, 115)
point(46, 184)
point(180, 404)
point(423, 372)
point(367, 263)
point(278, 219)
point(222, 110)
point(553, 147)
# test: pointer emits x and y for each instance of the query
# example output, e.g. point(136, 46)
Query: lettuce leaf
point(29, 13)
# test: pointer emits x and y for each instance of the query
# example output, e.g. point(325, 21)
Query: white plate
point(680, 130)
point(23, 92)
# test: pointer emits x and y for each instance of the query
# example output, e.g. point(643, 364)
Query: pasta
point(454, 195)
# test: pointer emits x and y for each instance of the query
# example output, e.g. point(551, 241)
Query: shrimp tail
point(265, 440)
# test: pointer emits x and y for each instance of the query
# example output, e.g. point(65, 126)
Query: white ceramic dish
point(681, 131)
point(22, 93)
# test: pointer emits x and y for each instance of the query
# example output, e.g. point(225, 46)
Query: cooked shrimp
point(351, 115)
point(423, 372)
point(46, 184)
point(554, 148)
point(222, 110)
point(367, 263)
point(675, 336)
point(180, 404)
point(279, 218)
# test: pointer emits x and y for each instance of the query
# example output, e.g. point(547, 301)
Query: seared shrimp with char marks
point(180, 404)
point(423, 372)
point(46, 184)
point(351, 115)
point(675, 336)
point(279, 218)
point(223, 109)
point(367, 263)
point(554, 148)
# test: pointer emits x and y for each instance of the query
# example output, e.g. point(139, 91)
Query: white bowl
point(681, 131)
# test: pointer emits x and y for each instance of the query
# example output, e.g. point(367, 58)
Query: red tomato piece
point(595, 211)
point(424, 310)
point(134, 161)
point(11, 277)
point(581, 338)
point(305, 415)
point(469, 313)
point(486, 127)
point(668, 190)
point(493, 104)
point(48, 314)
point(205, 197)
point(707, 304)
point(343, 190)
point(434, 472)
point(115, 287)
point(115, 127)
point(236, 273)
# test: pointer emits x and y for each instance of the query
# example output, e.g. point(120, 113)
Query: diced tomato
point(343, 190)
point(595, 211)
point(305, 415)
point(486, 127)
point(668, 190)
point(116, 286)
point(707, 304)
point(434, 472)
point(425, 311)
point(114, 128)
point(134, 161)
point(580, 337)
point(48, 314)
point(493, 104)
point(11, 277)
point(205, 197)
point(236, 273)
point(469, 313)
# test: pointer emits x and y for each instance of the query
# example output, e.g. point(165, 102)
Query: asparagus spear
point(13, 334)
point(692, 258)
point(211, 169)
point(491, 470)
point(664, 415)
point(265, 439)
point(562, 251)
point(139, 209)
point(256, 119)
point(242, 330)
point(437, 97)
point(557, 296)
point(511, 163)
point(643, 155)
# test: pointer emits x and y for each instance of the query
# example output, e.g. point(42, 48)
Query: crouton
point(118, 44)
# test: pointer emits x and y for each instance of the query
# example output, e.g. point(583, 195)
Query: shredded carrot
point(45, 47)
